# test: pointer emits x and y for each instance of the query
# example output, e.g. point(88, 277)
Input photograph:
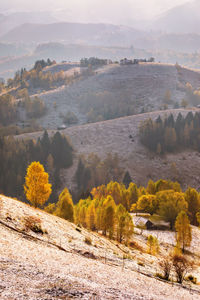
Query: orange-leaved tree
point(37, 187)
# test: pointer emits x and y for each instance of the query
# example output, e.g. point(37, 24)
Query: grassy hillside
point(59, 264)
point(120, 136)
point(116, 91)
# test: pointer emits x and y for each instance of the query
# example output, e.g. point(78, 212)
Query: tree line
point(170, 135)
point(54, 153)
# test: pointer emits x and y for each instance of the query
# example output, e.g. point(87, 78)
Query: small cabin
point(157, 225)
point(62, 127)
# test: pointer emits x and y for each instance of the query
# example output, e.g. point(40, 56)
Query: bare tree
point(166, 266)
point(181, 266)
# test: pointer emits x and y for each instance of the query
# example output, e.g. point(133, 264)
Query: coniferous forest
point(53, 152)
point(170, 135)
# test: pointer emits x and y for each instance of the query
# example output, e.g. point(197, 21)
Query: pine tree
point(183, 230)
point(127, 179)
point(37, 187)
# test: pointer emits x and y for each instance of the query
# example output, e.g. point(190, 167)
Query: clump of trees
point(170, 135)
point(37, 77)
point(8, 110)
point(93, 172)
point(104, 215)
point(93, 61)
point(34, 107)
point(166, 199)
point(54, 153)
point(177, 263)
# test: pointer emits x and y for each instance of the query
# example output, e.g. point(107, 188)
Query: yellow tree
point(108, 216)
point(183, 230)
point(64, 206)
point(37, 187)
point(91, 216)
point(148, 204)
point(124, 224)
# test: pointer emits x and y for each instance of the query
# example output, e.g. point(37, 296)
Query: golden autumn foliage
point(64, 206)
point(183, 229)
point(37, 187)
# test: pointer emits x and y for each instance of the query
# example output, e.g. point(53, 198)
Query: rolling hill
point(105, 35)
point(90, 34)
point(180, 19)
point(120, 136)
point(60, 265)
point(141, 88)
point(147, 83)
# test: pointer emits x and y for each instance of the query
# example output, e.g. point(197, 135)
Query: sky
point(112, 11)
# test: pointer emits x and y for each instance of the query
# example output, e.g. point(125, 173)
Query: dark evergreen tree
point(127, 179)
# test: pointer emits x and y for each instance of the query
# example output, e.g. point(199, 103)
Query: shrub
point(136, 246)
point(166, 267)
point(33, 223)
point(88, 240)
point(153, 245)
point(141, 264)
point(191, 278)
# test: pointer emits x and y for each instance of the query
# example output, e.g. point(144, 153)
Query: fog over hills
point(12, 20)
point(180, 19)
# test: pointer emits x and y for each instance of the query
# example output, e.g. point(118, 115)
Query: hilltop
point(59, 264)
point(115, 91)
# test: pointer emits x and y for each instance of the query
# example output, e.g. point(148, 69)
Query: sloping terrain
point(142, 86)
point(187, 16)
point(60, 265)
point(120, 136)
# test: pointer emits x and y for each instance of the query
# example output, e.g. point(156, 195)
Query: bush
point(191, 278)
point(88, 240)
point(136, 246)
point(33, 223)
point(166, 267)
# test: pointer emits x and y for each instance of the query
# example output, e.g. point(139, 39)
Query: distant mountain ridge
point(11, 21)
point(92, 34)
point(180, 19)
point(101, 35)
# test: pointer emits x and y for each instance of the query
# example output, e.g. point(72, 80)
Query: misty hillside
point(181, 19)
point(101, 35)
point(59, 264)
point(92, 34)
point(9, 22)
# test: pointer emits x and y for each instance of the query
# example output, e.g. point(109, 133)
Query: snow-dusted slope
point(59, 265)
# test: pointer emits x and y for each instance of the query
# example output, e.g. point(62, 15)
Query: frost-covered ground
point(59, 265)
point(144, 86)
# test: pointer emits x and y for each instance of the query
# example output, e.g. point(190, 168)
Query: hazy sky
point(115, 11)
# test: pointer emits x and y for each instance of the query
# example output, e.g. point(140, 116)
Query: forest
point(107, 208)
point(53, 152)
point(171, 135)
